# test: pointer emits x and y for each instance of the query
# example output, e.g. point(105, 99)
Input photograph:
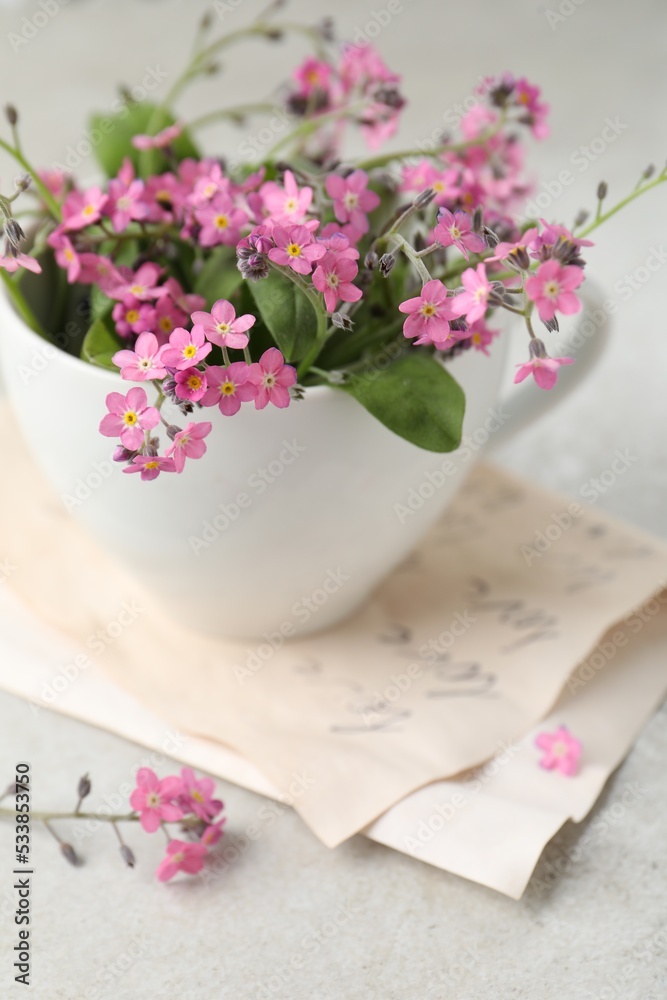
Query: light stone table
point(292, 919)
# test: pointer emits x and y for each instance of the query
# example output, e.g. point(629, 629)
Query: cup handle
point(526, 403)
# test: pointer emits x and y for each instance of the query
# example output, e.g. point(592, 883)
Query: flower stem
point(446, 147)
point(49, 200)
point(311, 125)
point(413, 257)
point(660, 179)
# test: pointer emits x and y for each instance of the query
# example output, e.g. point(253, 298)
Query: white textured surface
point(592, 931)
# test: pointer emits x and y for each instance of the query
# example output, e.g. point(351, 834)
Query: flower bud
point(11, 114)
point(602, 190)
point(582, 215)
point(69, 853)
point(14, 233)
point(23, 182)
point(173, 430)
point(387, 262)
point(537, 348)
point(127, 854)
point(342, 321)
point(424, 198)
point(371, 260)
point(84, 786)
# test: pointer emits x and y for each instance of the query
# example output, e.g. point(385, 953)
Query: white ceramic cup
point(293, 516)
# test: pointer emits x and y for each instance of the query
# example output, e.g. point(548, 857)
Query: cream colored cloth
point(457, 656)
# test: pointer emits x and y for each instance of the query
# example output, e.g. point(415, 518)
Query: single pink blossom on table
point(272, 379)
point(213, 833)
point(562, 751)
point(220, 221)
point(155, 799)
point(182, 856)
point(472, 301)
point(83, 208)
point(429, 314)
point(295, 248)
point(159, 141)
point(150, 466)
point(141, 284)
point(287, 205)
point(543, 369)
point(185, 349)
point(352, 200)
point(191, 384)
point(189, 443)
point(229, 387)
point(11, 264)
point(222, 326)
point(313, 76)
point(455, 229)
point(551, 288)
point(144, 362)
point(333, 277)
point(197, 795)
point(128, 417)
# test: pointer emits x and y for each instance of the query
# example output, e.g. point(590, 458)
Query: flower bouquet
point(214, 288)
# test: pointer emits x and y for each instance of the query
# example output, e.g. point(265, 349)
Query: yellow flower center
point(130, 418)
point(221, 221)
point(291, 204)
point(194, 382)
point(428, 310)
point(551, 289)
point(89, 210)
point(227, 388)
point(223, 328)
point(132, 315)
point(559, 749)
point(177, 857)
point(294, 250)
point(455, 233)
point(197, 796)
point(152, 799)
point(312, 76)
point(351, 199)
point(68, 254)
point(153, 465)
point(137, 290)
point(190, 351)
point(476, 339)
point(438, 186)
point(167, 325)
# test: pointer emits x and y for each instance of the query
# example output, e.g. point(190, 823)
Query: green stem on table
point(48, 198)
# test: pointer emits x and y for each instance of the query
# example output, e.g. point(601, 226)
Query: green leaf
point(416, 398)
point(220, 277)
point(287, 312)
point(114, 134)
point(100, 344)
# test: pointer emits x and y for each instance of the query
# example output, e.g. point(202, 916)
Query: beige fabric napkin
point(457, 655)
